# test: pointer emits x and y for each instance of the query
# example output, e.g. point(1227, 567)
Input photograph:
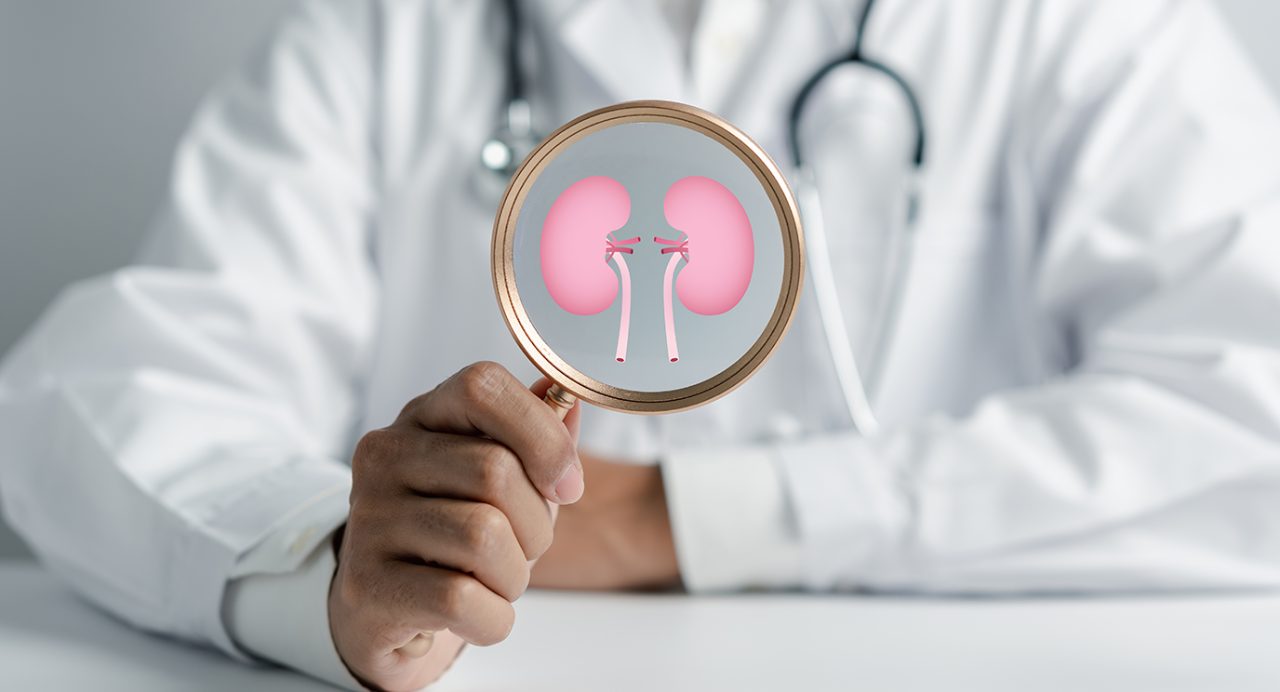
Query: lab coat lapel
point(799, 36)
point(626, 46)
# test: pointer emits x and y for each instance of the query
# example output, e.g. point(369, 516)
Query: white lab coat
point(1083, 390)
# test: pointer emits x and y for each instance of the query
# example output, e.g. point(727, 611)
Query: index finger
point(484, 398)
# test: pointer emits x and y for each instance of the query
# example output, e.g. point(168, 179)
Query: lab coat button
point(299, 542)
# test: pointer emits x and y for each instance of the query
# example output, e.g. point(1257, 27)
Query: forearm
point(1095, 484)
point(618, 536)
point(149, 528)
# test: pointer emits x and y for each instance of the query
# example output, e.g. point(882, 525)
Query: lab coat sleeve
point(186, 421)
point(1153, 461)
point(284, 617)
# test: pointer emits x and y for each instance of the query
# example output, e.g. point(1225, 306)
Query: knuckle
point(495, 467)
point(483, 527)
point(481, 383)
point(413, 405)
point(374, 446)
point(457, 596)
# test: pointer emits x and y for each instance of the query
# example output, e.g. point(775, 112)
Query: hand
point(447, 510)
point(617, 537)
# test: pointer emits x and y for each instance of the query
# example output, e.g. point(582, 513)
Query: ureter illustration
point(679, 250)
point(615, 249)
point(668, 281)
point(624, 323)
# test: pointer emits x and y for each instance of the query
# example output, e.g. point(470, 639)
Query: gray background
point(93, 96)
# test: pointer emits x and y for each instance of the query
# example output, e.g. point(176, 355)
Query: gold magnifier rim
point(579, 383)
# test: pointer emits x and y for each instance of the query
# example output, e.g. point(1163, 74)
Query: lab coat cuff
point(850, 510)
point(255, 532)
point(284, 618)
point(731, 519)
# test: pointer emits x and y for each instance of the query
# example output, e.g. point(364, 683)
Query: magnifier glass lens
point(648, 254)
point(689, 239)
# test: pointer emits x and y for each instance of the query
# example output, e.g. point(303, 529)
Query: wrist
point(652, 546)
point(618, 536)
point(636, 531)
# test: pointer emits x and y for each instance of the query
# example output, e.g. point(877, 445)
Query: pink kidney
point(718, 250)
point(721, 250)
point(576, 248)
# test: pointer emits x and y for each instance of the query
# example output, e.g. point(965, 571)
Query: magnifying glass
point(647, 257)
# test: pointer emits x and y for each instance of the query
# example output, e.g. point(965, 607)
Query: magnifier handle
point(560, 400)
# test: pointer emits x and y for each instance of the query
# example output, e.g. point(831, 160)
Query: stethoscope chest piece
point(510, 143)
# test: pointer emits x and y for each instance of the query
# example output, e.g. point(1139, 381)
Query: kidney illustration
point(576, 249)
point(716, 246)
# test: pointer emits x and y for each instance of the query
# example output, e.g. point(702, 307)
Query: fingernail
point(570, 486)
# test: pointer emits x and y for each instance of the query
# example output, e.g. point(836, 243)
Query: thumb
point(573, 419)
point(572, 422)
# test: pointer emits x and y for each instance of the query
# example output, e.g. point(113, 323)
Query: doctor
point(1082, 391)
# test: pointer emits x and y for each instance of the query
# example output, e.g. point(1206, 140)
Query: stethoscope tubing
point(855, 385)
point(830, 314)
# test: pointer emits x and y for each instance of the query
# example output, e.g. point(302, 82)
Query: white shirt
point(1083, 392)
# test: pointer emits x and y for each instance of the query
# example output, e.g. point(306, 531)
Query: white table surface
point(51, 640)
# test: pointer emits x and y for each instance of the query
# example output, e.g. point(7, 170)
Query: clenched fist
point(449, 507)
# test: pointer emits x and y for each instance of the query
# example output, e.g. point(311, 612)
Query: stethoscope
point(515, 137)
